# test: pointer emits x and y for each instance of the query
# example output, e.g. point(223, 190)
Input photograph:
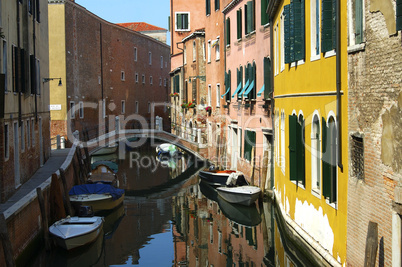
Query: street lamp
point(45, 80)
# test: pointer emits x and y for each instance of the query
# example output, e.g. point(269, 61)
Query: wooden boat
point(104, 166)
point(99, 196)
point(220, 177)
point(73, 232)
point(244, 195)
point(106, 150)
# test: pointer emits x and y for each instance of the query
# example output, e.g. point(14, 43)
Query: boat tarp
point(96, 189)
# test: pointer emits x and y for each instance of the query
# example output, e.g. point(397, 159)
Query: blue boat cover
point(96, 189)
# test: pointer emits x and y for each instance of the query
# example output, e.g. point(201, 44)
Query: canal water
point(170, 218)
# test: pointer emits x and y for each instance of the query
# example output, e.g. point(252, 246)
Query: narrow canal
point(170, 218)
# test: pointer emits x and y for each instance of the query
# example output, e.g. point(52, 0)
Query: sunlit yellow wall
point(57, 60)
point(316, 77)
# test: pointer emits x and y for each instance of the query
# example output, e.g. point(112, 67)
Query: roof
point(141, 26)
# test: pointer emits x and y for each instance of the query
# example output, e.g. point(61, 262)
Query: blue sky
point(155, 12)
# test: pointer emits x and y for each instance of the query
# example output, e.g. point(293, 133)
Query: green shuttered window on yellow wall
point(294, 31)
point(399, 15)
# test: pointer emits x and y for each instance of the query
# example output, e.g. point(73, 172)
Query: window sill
point(297, 63)
point(300, 185)
point(333, 205)
point(315, 58)
point(316, 192)
point(356, 48)
point(330, 54)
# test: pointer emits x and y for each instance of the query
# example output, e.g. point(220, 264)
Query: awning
point(261, 90)
point(249, 89)
point(244, 88)
point(227, 91)
point(237, 90)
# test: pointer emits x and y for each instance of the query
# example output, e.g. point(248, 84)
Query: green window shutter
point(250, 8)
point(208, 7)
point(359, 21)
point(399, 15)
point(326, 26)
point(286, 13)
point(217, 5)
point(293, 147)
point(267, 77)
point(185, 21)
point(239, 26)
point(228, 31)
point(169, 23)
point(299, 29)
point(253, 93)
point(334, 24)
point(229, 83)
point(179, 22)
point(241, 80)
point(326, 165)
point(300, 152)
point(292, 31)
point(246, 20)
point(177, 84)
point(264, 15)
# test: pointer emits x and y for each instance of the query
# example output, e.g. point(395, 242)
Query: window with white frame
point(209, 51)
point(6, 141)
point(136, 77)
point(203, 50)
point(151, 80)
point(282, 43)
point(161, 62)
point(136, 107)
point(160, 81)
point(315, 12)
point(123, 106)
point(150, 58)
point(194, 51)
point(81, 110)
point(149, 107)
point(218, 94)
point(356, 22)
point(135, 54)
point(164, 82)
point(123, 76)
point(182, 21)
point(143, 78)
point(282, 157)
point(217, 49)
point(209, 95)
point(72, 110)
point(316, 155)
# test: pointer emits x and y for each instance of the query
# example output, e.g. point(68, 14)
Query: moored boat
point(73, 232)
point(167, 149)
point(220, 177)
point(244, 195)
point(106, 150)
point(99, 196)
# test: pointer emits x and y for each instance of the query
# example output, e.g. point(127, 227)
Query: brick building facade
point(375, 100)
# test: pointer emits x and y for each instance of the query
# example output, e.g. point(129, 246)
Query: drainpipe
point(34, 57)
point(338, 85)
point(18, 74)
point(271, 52)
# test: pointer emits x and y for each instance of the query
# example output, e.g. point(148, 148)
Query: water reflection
point(170, 218)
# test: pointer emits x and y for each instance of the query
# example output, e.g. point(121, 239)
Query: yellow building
point(310, 92)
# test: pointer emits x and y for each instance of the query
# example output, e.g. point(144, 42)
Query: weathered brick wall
point(374, 111)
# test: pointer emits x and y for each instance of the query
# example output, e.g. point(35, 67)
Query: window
point(357, 156)
point(315, 29)
point(217, 50)
point(143, 78)
point(207, 7)
point(356, 22)
point(227, 32)
point(209, 51)
point(281, 37)
point(203, 51)
point(218, 95)
point(316, 155)
point(296, 149)
point(150, 58)
point(72, 110)
point(37, 10)
point(161, 62)
point(264, 15)
point(294, 32)
point(276, 49)
point(4, 63)
point(217, 5)
point(123, 107)
point(228, 82)
point(22, 137)
point(185, 54)
point(277, 146)
point(209, 94)
point(149, 107)
point(81, 110)
point(15, 68)
point(38, 81)
point(164, 82)
point(176, 84)
point(249, 18)
point(267, 78)
point(398, 15)
point(123, 76)
point(160, 81)
point(329, 160)
point(182, 21)
point(135, 54)
point(28, 133)
point(136, 77)
point(282, 157)
point(239, 81)
point(239, 24)
point(33, 132)
point(249, 145)
point(6, 141)
point(194, 51)
point(328, 25)
point(151, 80)
point(30, 6)
point(136, 107)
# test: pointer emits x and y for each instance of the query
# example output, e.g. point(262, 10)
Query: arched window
point(315, 155)
point(329, 160)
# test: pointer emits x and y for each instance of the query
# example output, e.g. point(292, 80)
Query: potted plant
point(175, 94)
point(208, 110)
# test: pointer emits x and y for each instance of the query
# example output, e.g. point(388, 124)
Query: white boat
point(73, 232)
point(106, 150)
point(98, 196)
point(244, 195)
